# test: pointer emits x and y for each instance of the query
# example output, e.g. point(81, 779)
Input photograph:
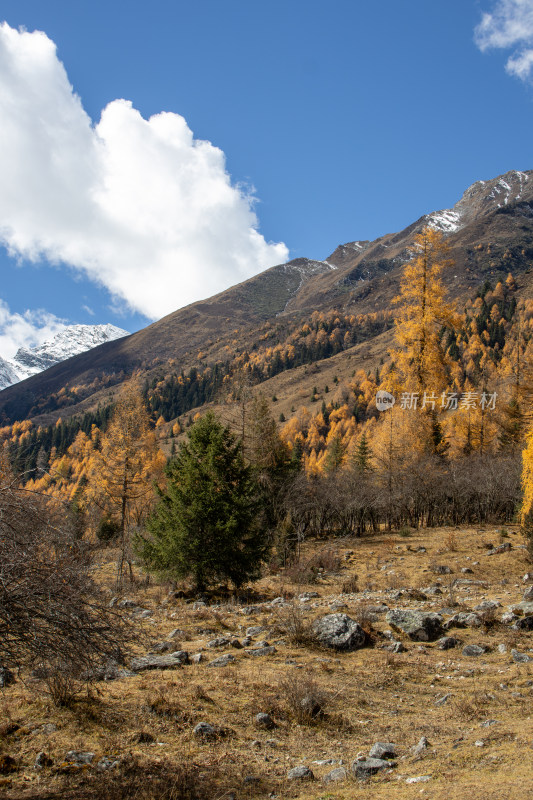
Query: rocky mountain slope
point(489, 231)
point(71, 341)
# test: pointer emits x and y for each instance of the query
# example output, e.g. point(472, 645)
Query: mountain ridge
point(489, 231)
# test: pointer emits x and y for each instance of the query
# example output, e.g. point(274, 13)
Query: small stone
point(43, 760)
point(222, 661)
point(447, 642)
point(524, 623)
point(177, 633)
point(383, 750)
point(419, 779)
point(421, 747)
point(487, 605)
point(171, 661)
point(107, 762)
point(443, 700)
point(528, 594)
point(502, 548)
point(79, 757)
point(254, 630)
point(528, 577)
point(464, 620)
point(236, 644)
point(441, 569)
point(474, 650)
point(520, 658)
point(337, 774)
point(198, 604)
point(197, 658)
point(502, 648)
point(300, 774)
point(220, 641)
point(365, 767)
point(264, 721)
point(205, 731)
point(479, 743)
point(261, 651)
point(467, 571)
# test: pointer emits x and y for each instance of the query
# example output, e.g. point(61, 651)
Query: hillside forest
point(448, 451)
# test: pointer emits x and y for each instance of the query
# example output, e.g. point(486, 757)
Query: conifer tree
point(206, 522)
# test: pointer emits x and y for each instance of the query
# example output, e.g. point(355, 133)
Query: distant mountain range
point(71, 341)
point(489, 232)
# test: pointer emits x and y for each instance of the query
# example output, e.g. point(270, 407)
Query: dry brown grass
point(366, 696)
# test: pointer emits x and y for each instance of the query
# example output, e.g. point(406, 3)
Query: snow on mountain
point(483, 197)
point(71, 341)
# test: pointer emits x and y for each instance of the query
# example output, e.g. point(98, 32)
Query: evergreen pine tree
point(205, 524)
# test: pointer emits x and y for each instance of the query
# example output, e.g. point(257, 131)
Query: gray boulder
point(524, 623)
point(421, 626)
point(300, 774)
point(267, 650)
point(172, 661)
point(337, 774)
point(79, 757)
point(528, 594)
point(205, 731)
point(222, 661)
point(383, 750)
point(339, 631)
point(474, 650)
point(365, 767)
point(264, 720)
point(220, 641)
point(464, 619)
point(520, 658)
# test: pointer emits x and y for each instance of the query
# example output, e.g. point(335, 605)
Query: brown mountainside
point(490, 233)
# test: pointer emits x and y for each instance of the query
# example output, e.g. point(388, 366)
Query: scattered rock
point(442, 701)
point(177, 633)
point(268, 650)
point(474, 650)
point(222, 661)
point(205, 731)
point(395, 647)
point(79, 757)
point(365, 767)
point(172, 661)
point(528, 577)
point(255, 630)
point(43, 760)
point(339, 631)
point(264, 720)
point(421, 626)
point(528, 594)
point(220, 641)
point(300, 774)
point(487, 605)
point(107, 762)
point(306, 596)
point(422, 745)
point(467, 571)
point(337, 774)
point(523, 609)
point(441, 569)
point(520, 658)
point(502, 548)
point(419, 779)
point(197, 658)
point(464, 619)
point(127, 603)
point(524, 623)
point(447, 642)
point(383, 750)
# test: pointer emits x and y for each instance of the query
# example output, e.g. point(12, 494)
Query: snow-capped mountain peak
point(71, 341)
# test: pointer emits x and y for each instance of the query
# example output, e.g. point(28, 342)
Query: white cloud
point(510, 25)
point(139, 206)
point(25, 330)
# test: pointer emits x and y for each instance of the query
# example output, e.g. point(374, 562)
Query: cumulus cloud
point(139, 206)
point(510, 25)
point(25, 330)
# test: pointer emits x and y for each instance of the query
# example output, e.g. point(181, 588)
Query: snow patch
point(71, 341)
point(447, 221)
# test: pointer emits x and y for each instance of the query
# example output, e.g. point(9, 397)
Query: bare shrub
point(350, 585)
point(53, 617)
point(308, 571)
point(450, 542)
point(304, 697)
point(292, 623)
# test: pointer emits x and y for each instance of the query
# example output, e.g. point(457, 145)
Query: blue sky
point(337, 121)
